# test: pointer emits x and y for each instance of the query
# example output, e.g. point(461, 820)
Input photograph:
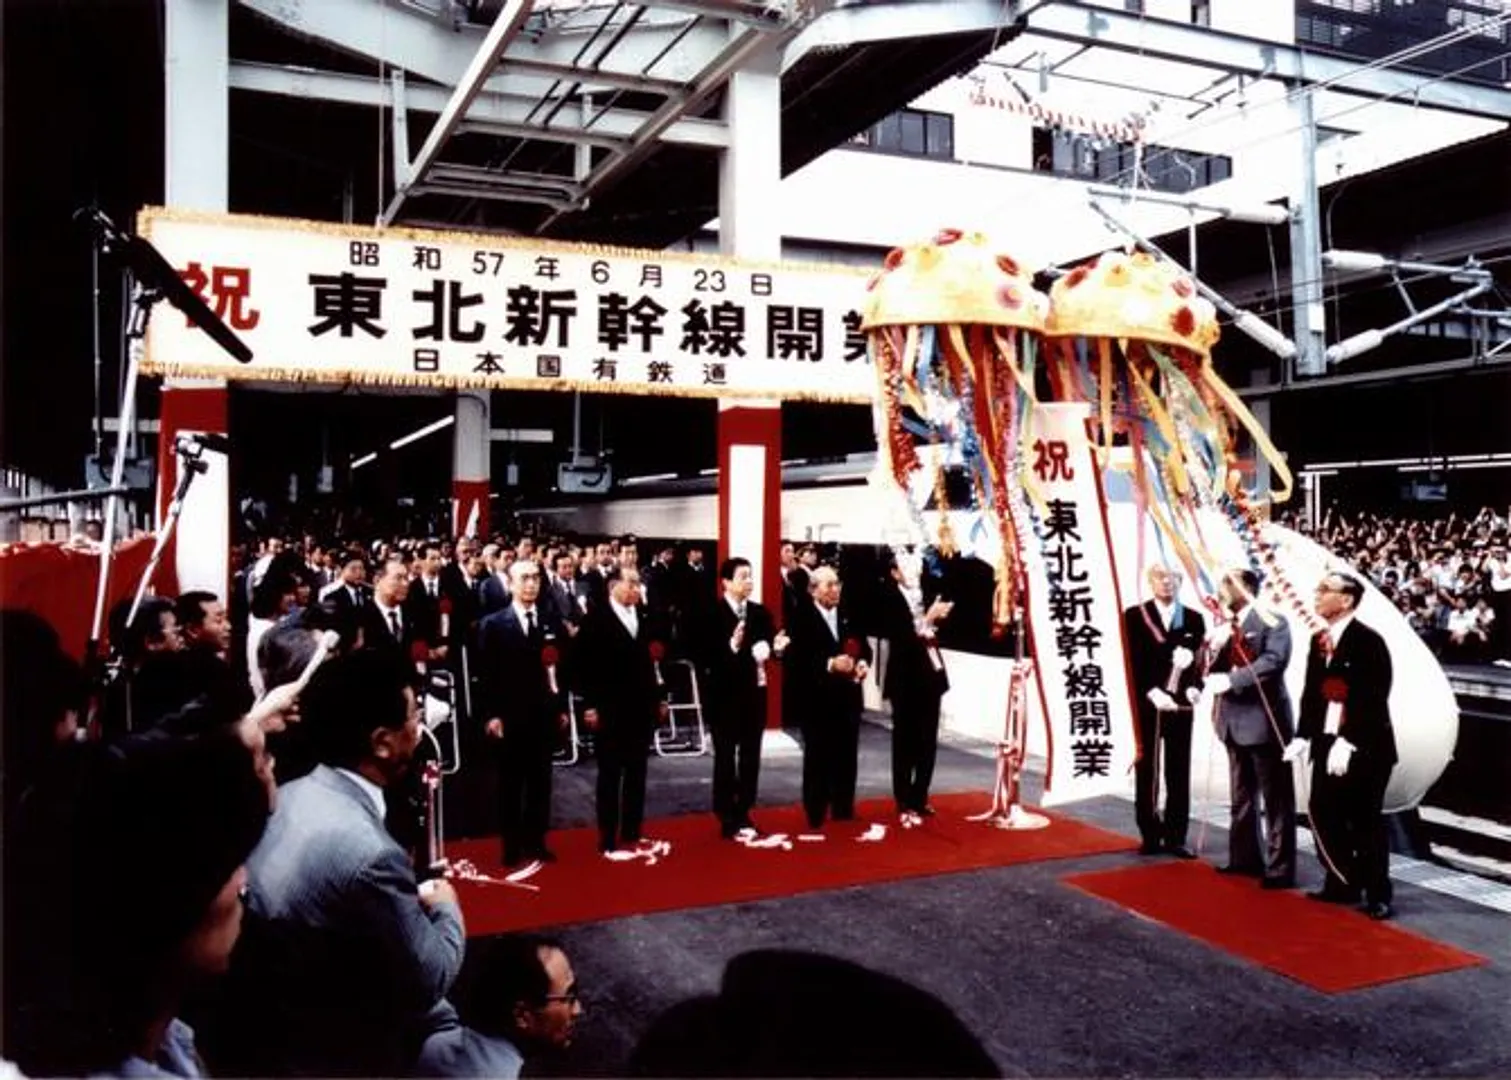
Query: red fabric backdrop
point(58, 583)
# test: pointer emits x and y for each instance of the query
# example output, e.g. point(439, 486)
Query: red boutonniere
point(1335, 690)
point(549, 656)
point(445, 605)
point(419, 652)
point(852, 648)
point(658, 652)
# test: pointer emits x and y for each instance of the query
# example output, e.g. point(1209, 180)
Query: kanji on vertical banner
point(1075, 614)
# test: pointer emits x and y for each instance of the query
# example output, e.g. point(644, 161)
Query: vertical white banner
point(1075, 615)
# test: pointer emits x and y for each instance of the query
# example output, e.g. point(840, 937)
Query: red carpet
point(704, 870)
point(1329, 947)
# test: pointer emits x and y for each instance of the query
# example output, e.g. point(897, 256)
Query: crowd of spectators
point(1450, 575)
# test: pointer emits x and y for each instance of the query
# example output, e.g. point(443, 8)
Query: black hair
point(132, 641)
point(42, 683)
point(161, 825)
point(352, 696)
point(504, 972)
point(1249, 579)
point(730, 566)
point(1353, 588)
point(191, 607)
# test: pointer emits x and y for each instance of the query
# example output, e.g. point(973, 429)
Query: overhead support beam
point(1162, 39)
point(886, 21)
point(505, 28)
point(491, 113)
point(593, 77)
point(403, 35)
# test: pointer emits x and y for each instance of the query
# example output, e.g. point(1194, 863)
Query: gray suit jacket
point(352, 968)
point(1242, 718)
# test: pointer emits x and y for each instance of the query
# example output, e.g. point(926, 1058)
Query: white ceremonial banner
point(322, 302)
point(1075, 615)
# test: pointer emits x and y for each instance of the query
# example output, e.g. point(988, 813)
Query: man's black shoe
point(1149, 847)
point(1278, 883)
point(1329, 896)
point(925, 811)
point(1380, 911)
point(1180, 851)
point(1238, 871)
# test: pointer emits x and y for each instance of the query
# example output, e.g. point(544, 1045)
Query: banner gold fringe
point(296, 376)
point(150, 216)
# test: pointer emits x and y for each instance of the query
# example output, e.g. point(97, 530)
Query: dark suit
point(495, 594)
point(1253, 720)
point(1346, 810)
point(736, 707)
point(617, 677)
point(831, 711)
point(424, 611)
point(1150, 648)
point(563, 598)
point(913, 682)
point(516, 689)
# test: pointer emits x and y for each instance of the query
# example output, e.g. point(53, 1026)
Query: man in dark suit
point(495, 587)
point(385, 623)
point(1163, 637)
point(561, 592)
point(914, 682)
point(344, 963)
point(525, 706)
point(826, 662)
point(616, 658)
point(428, 604)
point(737, 641)
point(1252, 716)
point(1345, 722)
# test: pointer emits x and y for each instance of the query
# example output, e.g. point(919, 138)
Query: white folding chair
point(572, 752)
point(690, 737)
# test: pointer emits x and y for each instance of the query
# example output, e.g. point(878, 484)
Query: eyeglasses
point(571, 997)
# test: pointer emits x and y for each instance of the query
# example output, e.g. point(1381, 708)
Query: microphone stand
point(192, 464)
point(153, 279)
point(1015, 817)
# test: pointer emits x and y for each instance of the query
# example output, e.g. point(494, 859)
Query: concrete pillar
point(196, 111)
point(470, 460)
point(750, 431)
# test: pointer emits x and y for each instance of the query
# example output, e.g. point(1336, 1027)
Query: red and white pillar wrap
point(197, 123)
point(750, 507)
point(470, 461)
point(750, 431)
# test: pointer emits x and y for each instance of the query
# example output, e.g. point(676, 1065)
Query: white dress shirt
point(627, 616)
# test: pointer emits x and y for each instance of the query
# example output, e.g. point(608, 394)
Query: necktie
point(393, 624)
point(1325, 643)
point(433, 590)
point(530, 622)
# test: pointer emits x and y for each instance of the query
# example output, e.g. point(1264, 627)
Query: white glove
point(1337, 757)
point(760, 652)
point(1220, 683)
point(1297, 750)
point(1162, 701)
point(1181, 658)
point(1193, 694)
point(1219, 636)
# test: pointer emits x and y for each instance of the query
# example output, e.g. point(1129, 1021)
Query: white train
point(834, 503)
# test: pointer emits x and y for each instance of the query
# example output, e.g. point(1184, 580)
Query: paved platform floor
point(1005, 972)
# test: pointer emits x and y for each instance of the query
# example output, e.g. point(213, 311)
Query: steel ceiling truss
point(613, 78)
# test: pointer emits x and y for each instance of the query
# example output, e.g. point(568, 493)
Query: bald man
point(827, 662)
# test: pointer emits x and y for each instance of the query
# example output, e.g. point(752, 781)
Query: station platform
point(1017, 968)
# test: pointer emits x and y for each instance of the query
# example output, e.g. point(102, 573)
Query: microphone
point(220, 444)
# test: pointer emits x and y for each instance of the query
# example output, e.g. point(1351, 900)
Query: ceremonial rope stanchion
point(1007, 811)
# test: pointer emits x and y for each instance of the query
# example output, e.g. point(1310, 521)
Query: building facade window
point(913, 132)
point(1096, 160)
